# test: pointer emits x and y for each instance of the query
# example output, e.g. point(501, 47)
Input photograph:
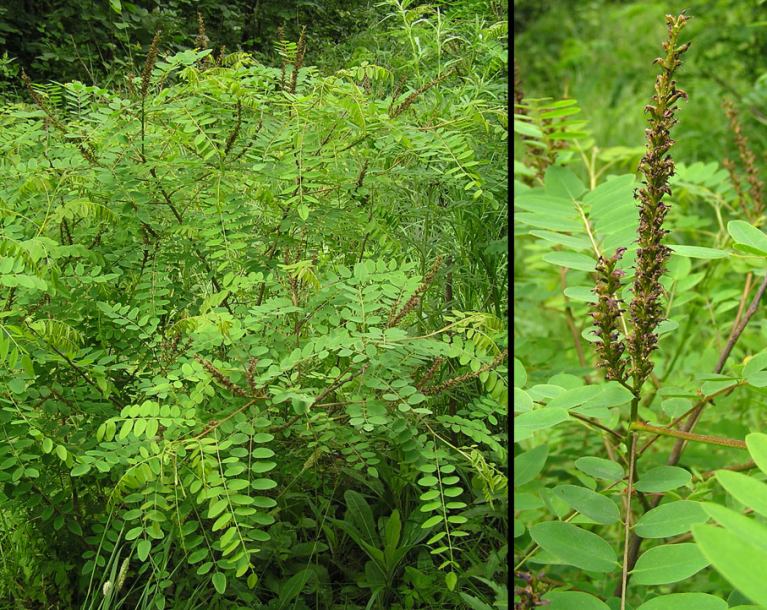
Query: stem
point(534, 547)
point(143, 119)
point(742, 304)
point(627, 522)
point(676, 452)
point(735, 468)
point(598, 252)
point(571, 321)
point(595, 423)
point(81, 373)
point(688, 436)
point(688, 326)
point(215, 425)
point(706, 399)
point(741, 325)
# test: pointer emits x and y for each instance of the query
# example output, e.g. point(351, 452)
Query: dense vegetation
point(97, 41)
point(640, 452)
point(252, 334)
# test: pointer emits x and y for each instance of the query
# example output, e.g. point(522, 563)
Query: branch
point(215, 424)
point(571, 321)
point(333, 386)
point(692, 420)
point(703, 401)
point(595, 423)
point(197, 251)
point(688, 436)
point(735, 468)
point(75, 368)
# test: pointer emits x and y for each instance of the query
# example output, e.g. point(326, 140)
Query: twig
point(333, 386)
point(197, 251)
point(692, 420)
point(706, 399)
point(688, 436)
point(75, 368)
point(596, 424)
point(571, 321)
point(735, 468)
point(217, 423)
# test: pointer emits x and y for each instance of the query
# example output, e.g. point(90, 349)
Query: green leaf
point(451, 579)
point(392, 531)
point(526, 129)
point(674, 407)
point(739, 561)
point(668, 563)
point(576, 243)
point(738, 525)
point(699, 252)
point(754, 371)
point(685, 601)
point(222, 521)
point(522, 401)
point(747, 237)
point(575, 397)
point(573, 600)
point(474, 603)
point(134, 533)
point(537, 202)
point(293, 587)
point(670, 519)
point(143, 548)
point(527, 424)
point(80, 469)
point(574, 546)
point(219, 582)
point(755, 363)
point(613, 395)
point(217, 507)
point(600, 468)
point(662, 478)
point(562, 182)
point(595, 506)
point(126, 428)
point(581, 293)
point(571, 260)
point(262, 453)
point(262, 484)
point(550, 220)
point(717, 383)
point(520, 375)
point(745, 489)
point(756, 442)
point(529, 464)
point(197, 555)
point(432, 521)
point(139, 427)
point(228, 537)
point(359, 514)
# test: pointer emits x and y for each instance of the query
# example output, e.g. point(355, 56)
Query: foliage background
point(253, 334)
point(91, 40)
point(593, 60)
